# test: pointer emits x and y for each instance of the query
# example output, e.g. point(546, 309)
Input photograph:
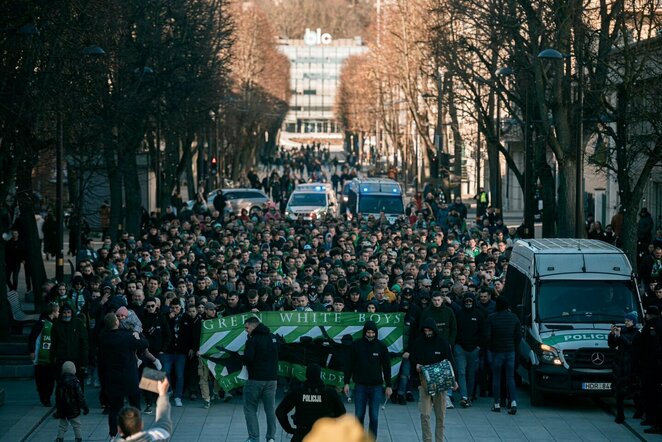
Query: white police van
point(568, 293)
point(372, 196)
point(312, 201)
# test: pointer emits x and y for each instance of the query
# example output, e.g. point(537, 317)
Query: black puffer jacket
point(624, 362)
point(261, 355)
point(69, 398)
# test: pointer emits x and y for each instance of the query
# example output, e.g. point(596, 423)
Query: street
point(562, 419)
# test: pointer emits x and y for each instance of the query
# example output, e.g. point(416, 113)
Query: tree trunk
point(131, 190)
point(629, 232)
point(495, 176)
point(548, 201)
point(115, 187)
point(566, 198)
point(8, 161)
point(34, 263)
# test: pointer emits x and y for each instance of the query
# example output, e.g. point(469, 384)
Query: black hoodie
point(426, 351)
point(369, 361)
point(261, 355)
point(311, 401)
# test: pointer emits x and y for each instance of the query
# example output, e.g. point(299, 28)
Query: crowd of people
point(149, 294)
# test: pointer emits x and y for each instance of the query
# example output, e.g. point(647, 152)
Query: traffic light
point(214, 165)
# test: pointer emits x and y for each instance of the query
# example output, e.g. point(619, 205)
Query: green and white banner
point(306, 337)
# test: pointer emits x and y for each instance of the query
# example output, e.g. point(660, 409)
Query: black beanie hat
point(369, 325)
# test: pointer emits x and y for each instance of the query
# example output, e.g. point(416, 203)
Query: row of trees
point(109, 82)
point(601, 94)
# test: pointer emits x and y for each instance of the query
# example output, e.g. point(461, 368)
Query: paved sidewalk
point(563, 419)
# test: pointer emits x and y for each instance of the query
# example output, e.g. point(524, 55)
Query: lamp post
point(578, 138)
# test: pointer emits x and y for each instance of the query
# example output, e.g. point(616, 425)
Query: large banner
point(306, 337)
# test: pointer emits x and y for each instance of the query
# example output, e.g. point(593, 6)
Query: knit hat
point(122, 311)
point(632, 316)
point(210, 306)
point(68, 368)
point(369, 325)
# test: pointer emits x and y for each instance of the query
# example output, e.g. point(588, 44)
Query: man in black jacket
point(261, 360)
point(430, 348)
point(311, 401)
point(471, 335)
point(505, 334)
point(157, 332)
point(117, 367)
point(370, 367)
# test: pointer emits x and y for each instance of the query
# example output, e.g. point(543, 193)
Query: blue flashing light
point(395, 190)
point(365, 189)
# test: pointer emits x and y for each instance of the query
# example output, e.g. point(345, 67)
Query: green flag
point(306, 337)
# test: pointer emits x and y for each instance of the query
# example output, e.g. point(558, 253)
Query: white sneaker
point(178, 402)
point(449, 403)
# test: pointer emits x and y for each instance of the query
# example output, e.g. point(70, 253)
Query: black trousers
point(44, 377)
point(115, 404)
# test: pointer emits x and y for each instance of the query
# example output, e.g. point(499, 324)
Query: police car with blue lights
point(312, 201)
point(373, 196)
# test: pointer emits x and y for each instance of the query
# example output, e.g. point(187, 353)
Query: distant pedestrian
point(261, 360)
point(370, 368)
point(310, 401)
point(69, 403)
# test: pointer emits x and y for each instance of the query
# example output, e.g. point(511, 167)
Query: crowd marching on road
point(140, 302)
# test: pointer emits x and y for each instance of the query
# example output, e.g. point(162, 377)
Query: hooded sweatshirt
point(426, 351)
point(311, 401)
point(261, 355)
point(369, 361)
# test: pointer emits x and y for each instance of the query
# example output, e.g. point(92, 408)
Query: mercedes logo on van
point(598, 358)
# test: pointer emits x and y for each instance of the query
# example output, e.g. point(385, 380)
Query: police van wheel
point(537, 396)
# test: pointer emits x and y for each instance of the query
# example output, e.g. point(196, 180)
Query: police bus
point(372, 196)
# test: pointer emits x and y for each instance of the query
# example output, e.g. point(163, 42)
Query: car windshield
point(585, 301)
point(308, 199)
point(243, 194)
point(389, 204)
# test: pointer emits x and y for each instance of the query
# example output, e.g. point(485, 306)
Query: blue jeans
point(178, 361)
point(368, 397)
point(503, 361)
point(405, 374)
point(467, 364)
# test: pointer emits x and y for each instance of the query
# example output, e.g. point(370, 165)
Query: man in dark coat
point(311, 401)
point(623, 341)
point(505, 334)
point(157, 332)
point(69, 342)
point(651, 370)
point(261, 360)
point(118, 370)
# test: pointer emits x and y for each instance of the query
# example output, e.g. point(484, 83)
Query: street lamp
point(553, 54)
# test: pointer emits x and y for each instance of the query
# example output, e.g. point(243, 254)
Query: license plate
point(596, 385)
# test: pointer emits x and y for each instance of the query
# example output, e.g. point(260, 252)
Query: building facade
point(316, 61)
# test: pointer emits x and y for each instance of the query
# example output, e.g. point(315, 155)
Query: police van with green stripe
point(568, 293)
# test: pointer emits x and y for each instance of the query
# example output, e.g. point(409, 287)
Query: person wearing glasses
point(156, 330)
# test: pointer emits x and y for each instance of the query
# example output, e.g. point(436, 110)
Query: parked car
point(238, 199)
